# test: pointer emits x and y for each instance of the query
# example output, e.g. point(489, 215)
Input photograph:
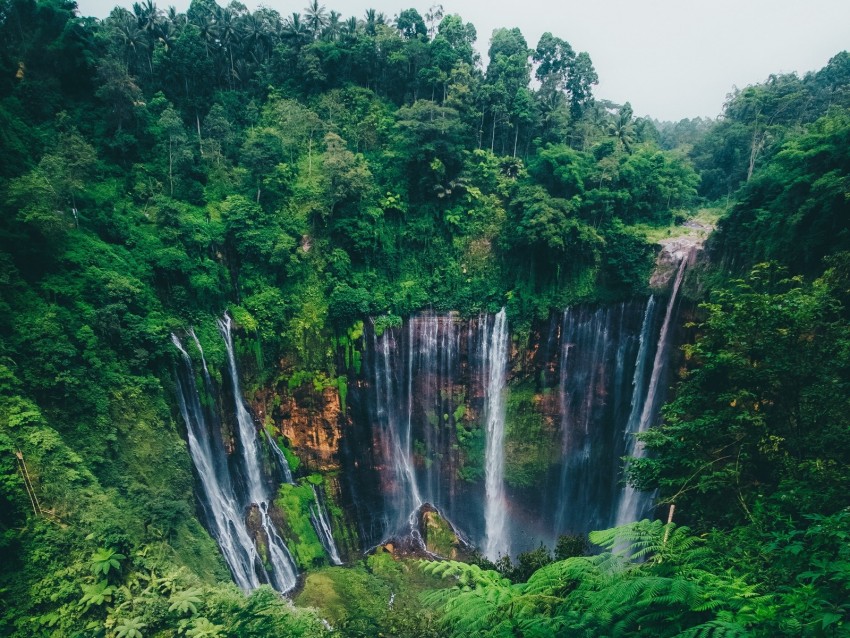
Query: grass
point(703, 222)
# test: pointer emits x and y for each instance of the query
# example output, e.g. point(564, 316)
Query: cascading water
point(429, 423)
point(494, 344)
point(638, 395)
point(319, 519)
point(633, 503)
point(597, 353)
point(396, 429)
point(280, 459)
point(282, 572)
point(421, 380)
point(228, 503)
point(224, 516)
point(318, 513)
point(247, 433)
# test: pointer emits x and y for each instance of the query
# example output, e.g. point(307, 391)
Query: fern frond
point(466, 575)
point(715, 629)
point(561, 576)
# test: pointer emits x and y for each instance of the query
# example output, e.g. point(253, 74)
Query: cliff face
point(686, 245)
point(310, 419)
point(414, 429)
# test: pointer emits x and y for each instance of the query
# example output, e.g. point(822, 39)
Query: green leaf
point(829, 619)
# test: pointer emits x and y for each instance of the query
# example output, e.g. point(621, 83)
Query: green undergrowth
point(376, 597)
point(693, 224)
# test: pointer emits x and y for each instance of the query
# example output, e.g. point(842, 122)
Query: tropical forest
point(319, 325)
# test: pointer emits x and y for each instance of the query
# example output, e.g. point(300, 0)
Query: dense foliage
point(307, 171)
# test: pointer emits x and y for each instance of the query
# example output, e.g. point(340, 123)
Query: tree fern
point(654, 579)
point(466, 575)
point(130, 628)
point(561, 577)
point(716, 629)
point(105, 560)
point(652, 541)
point(185, 601)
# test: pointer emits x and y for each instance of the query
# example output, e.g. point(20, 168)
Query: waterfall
point(597, 350)
point(430, 423)
point(224, 517)
point(649, 405)
point(418, 398)
point(280, 459)
point(319, 519)
point(249, 444)
point(282, 567)
point(632, 502)
point(640, 369)
point(227, 504)
point(396, 439)
point(282, 560)
point(494, 345)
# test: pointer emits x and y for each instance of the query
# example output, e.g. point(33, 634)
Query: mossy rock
point(440, 539)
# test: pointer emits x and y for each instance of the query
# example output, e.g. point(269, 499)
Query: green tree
point(765, 400)
point(507, 78)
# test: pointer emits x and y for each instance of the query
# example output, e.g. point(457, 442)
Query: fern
point(97, 594)
point(204, 628)
point(654, 579)
point(561, 577)
point(185, 601)
point(466, 575)
point(105, 560)
point(130, 628)
point(481, 603)
point(715, 629)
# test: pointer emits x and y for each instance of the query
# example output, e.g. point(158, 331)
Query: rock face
point(672, 252)
point(685, 246)
point(310, 419)
point(406, 457)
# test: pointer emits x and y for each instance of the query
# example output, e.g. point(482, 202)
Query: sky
point(672, 59)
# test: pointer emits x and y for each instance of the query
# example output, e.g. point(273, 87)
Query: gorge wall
point(513, 440)
point(417, 428)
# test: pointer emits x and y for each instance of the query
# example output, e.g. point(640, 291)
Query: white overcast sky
point(670, 58)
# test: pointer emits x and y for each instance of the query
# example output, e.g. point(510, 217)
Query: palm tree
point(349, 27)
point(228, 35)
point(242, 71)
point(263, 31)
point(294, 30)
point(179, 20)
point(333, 28)
point(316, 18)
point(623, 127)
point(255, 38)
point(208, 28)
point(370, 21)
point(167, 34)
point(148, 16)
point(126, 31)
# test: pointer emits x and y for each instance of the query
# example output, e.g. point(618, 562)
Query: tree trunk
point(757, 145)
point(200, 140)
point(170, 167)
